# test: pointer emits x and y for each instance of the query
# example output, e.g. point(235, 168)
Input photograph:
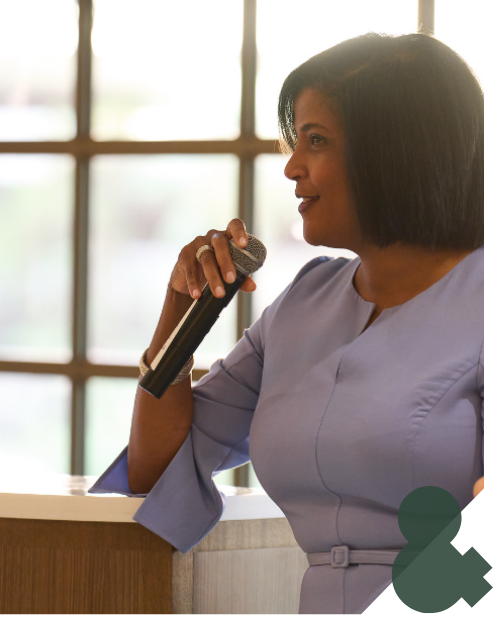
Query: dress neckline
point(357, 261)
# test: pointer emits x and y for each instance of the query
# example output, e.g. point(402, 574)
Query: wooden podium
point(63, 551)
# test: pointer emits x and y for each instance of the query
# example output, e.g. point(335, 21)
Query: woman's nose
point(294, 168)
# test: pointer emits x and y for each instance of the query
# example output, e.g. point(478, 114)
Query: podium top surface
point(65, 497)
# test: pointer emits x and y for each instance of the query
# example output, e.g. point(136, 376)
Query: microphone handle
point(191, 333)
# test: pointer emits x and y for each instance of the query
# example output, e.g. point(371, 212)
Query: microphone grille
point(252, 257)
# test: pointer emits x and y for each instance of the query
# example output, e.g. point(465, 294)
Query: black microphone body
point(200, 318)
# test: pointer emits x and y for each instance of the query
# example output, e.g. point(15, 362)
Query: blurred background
point(128, 127)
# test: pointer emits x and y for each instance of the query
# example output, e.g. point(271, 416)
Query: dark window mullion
point(426, 16)
point(246, 188)
point(247, 159)
point(81, 237)
point(246, 181)
point(88, 148)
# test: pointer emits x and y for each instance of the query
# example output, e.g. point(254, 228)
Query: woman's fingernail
point(243, 241)
point(196, 293)
point(229, 278)
point(219, 291)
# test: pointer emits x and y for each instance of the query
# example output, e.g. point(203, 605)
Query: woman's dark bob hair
point(412, 112)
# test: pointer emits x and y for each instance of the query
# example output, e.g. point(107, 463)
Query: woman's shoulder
point(312, 275)
point(331, 265)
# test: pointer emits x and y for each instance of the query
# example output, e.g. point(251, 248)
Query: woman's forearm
point(160, 426)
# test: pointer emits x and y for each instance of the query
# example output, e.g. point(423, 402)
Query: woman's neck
point(393, 275)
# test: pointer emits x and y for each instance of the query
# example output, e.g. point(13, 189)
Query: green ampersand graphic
point(429, 574)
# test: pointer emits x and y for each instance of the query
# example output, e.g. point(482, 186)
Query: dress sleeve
point(185, 504)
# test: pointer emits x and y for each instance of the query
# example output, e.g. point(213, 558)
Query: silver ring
point(202, 250)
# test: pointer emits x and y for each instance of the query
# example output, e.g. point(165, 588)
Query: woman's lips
point(304, 205)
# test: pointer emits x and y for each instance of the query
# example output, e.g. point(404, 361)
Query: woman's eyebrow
point(313, 125)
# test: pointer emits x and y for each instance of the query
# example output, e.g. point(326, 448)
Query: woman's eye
point(316, 139)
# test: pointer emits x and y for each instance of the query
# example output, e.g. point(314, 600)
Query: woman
point(363, 380)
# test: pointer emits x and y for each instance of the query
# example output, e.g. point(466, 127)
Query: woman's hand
point(189, 276)
point(478, 487)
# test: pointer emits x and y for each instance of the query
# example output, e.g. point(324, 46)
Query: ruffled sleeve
point(185, 504)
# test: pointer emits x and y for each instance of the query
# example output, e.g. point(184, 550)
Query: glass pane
point(225, 478)
point(280, 227)
point(110, 403)
point(34, 424)
point(465, 28)
point(324, 24)
point(36, 203)
point(145, 209)
point(253, 481)
point(167, 70)
point(38, 44)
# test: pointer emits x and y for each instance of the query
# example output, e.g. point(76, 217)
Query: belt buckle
point(339, 556)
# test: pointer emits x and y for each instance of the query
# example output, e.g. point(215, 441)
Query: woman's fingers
point(218, 266)
point(211, 271)
point(248, 285)
point(220, 241)
point(215, 265)
point(237, 230)
point(220, 244)
point(191, 271)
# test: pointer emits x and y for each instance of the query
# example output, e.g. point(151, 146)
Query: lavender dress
point(340, 424)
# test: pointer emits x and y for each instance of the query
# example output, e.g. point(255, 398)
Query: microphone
point(199, 319)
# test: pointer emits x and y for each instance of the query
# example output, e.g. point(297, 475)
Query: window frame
point(82, 148)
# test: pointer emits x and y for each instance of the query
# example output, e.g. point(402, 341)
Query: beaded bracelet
point(183, 374)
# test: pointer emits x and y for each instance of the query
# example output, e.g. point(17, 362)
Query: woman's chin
point(313, 236)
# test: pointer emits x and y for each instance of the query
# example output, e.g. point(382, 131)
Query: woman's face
point(318, 167)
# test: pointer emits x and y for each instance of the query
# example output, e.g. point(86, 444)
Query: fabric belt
point(342, 556)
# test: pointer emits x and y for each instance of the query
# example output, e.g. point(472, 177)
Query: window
point(128, 127)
